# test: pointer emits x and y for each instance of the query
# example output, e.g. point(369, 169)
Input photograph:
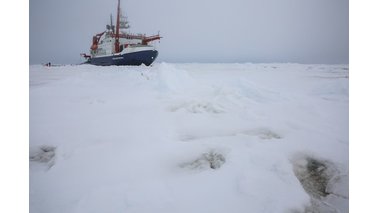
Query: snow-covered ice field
point(189, 138)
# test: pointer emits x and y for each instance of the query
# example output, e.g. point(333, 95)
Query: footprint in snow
point(209, 160)
point(262, 133)
point(44, 155)
point(198, 107)
point(323, 182)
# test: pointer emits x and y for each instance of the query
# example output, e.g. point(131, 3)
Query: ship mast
point(116, 43)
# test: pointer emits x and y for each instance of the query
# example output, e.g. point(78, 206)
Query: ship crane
point(95, 40)
point(145, 40)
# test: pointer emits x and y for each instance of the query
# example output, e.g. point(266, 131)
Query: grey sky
point(303, 31)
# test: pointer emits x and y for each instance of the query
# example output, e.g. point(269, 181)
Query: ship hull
point(146, 57)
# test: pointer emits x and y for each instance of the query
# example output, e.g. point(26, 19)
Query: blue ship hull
point(136, 58)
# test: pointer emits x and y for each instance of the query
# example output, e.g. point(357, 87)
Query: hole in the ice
point(208, 160)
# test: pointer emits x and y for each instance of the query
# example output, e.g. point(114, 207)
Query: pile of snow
point(189, 138)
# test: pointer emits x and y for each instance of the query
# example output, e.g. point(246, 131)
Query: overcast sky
point(302, 31)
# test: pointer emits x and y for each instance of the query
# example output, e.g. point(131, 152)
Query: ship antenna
point(111, 23)
point(116, 44)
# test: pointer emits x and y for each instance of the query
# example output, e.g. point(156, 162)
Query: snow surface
point(189, 138)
